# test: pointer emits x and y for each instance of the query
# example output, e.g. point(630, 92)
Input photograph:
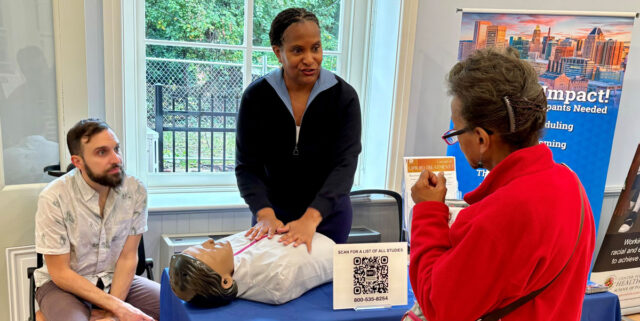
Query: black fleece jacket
point(273, 171)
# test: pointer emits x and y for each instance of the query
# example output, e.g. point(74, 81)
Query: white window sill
point(191, 202)
point(176, 201)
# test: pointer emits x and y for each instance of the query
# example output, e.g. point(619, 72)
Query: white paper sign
point(369, 275)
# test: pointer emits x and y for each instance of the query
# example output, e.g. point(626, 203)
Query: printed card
point(413, 167)
point(369, 275)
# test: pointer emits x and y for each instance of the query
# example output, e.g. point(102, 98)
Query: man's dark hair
point(286, 18)
point(84, 128)
point(197, 283)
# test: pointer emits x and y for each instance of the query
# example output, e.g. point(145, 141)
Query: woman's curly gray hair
point(499, 91)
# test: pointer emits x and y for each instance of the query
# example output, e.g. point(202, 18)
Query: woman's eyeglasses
point(451, 136)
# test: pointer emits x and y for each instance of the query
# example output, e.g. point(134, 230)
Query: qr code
point(370, 275)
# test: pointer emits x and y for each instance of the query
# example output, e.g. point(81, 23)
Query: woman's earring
point(479, 164)
point(225, 281)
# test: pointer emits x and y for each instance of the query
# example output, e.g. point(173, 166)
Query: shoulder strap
point(500, 313)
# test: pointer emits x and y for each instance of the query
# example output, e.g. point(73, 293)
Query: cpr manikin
point(216, 272)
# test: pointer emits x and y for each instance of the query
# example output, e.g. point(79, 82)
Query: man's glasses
point(451, 136)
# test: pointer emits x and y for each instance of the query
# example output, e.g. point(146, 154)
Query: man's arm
point(68, 280)
point(52, 241)
point(125, 267)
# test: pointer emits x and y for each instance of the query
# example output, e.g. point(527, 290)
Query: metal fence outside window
point(193, 107)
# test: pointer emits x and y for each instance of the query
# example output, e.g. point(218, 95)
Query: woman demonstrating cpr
point(298, 140)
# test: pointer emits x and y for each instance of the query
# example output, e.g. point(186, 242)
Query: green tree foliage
point(219, 21)
point(192, 21)
point(222, 22)
point(214, 75)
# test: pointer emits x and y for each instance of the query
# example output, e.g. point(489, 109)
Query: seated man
point(214, 273)
point(88, 226)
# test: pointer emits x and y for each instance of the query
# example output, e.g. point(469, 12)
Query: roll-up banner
point(580, 59)
point(618, 263)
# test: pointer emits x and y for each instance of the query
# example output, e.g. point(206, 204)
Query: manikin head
point(203, 274)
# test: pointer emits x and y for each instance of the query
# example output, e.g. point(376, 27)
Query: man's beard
point(106, 179)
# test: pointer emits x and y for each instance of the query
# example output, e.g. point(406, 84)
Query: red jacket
point(518, 232)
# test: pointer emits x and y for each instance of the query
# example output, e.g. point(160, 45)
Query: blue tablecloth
point(601, 307)
point(317, 304)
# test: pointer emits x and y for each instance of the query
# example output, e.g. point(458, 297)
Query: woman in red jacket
point(524, 222)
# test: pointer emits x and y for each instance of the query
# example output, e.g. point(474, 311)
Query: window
point(197, 57)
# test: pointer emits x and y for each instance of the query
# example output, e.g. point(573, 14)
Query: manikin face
point(300, 53)
point(217, 255)
point(101, 161)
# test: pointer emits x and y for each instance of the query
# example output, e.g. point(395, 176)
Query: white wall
point(436, 51)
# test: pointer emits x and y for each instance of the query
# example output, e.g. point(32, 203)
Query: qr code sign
point(370, 275)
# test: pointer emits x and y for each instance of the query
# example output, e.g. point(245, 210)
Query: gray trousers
point(59, 305)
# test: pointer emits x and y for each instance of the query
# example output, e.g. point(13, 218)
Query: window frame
point(124, 80)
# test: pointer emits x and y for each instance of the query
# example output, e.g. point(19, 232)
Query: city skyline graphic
point(522, 25)
point(580, 53)
point(581, 63)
